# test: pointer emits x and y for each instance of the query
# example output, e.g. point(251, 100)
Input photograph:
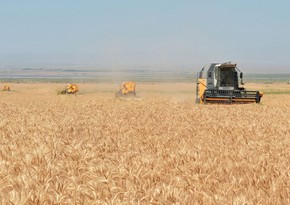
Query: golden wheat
point(159, 148)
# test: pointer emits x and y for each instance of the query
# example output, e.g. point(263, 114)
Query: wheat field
point(158, 148)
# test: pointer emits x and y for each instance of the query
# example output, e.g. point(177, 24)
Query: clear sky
point(135, 34)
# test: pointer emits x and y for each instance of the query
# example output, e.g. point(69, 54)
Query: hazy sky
point(145, 34)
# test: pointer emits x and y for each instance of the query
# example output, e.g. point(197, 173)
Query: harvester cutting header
point(220, 84)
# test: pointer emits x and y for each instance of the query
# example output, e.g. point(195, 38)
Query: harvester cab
point(220, 84)
point(127, 89)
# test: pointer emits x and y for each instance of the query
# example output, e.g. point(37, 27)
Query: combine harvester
point(127, 89)
point(220, 84)
point(70, 89)
point(6, 88)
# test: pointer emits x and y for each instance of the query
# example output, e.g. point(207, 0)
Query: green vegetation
point(277, 92)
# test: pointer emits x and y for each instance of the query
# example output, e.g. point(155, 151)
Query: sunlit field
point(157, 148)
